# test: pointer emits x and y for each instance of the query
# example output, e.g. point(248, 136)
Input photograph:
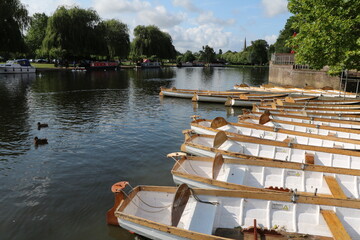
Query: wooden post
point(255, 230)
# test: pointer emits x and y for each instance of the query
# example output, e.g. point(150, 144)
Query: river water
point(104, 127)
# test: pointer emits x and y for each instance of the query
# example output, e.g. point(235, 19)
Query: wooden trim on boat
point(273, 105)
point(285, 112)
point(279, 164)
point(217, 164)
point(167, 228)
point(334, 223)
point(285, 131)
point(304, 118)
point(348, 130)
point(334, 187)
point(265, 195)
point(179, 203)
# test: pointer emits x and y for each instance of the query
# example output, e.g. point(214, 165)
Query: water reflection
point(14, 113)
point(103, 127)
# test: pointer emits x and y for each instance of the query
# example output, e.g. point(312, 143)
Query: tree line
point(320, 33)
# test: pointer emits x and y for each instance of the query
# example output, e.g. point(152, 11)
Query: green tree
point(117, 38)
point(74, 33)
point(188, 56)
point(329, 33)
point(259, 52)
point(36, 33)
point(13, 20)
point(150, 40)
point(207, 54)
point(285, 34)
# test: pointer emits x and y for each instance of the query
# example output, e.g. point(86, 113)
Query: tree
point(207, 54)
point(36, 33)
point(329, 33)
point(74, 33)
point(285, 35)
point(13, 20)
point(117, 38)
point(188, 56)
point(150, 40)
point(259, 52)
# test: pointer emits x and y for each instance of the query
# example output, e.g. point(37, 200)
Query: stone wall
point(287, 75)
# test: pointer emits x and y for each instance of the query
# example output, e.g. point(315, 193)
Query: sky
point(221, 24)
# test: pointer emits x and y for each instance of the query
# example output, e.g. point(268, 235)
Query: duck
point(42, 125)
point(39, 141)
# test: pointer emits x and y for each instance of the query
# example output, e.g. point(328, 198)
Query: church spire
point(244, 44)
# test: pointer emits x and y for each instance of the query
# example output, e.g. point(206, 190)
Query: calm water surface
point(104, 127)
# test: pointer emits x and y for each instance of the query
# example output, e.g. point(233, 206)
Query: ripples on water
point(104, 127)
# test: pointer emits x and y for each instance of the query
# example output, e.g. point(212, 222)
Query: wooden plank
point(268, 162)
point(334, 187)
point(336, 227)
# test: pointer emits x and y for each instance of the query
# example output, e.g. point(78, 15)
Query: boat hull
point(9, 70)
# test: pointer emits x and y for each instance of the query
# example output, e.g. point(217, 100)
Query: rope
point(199, 200)
point(162, 208)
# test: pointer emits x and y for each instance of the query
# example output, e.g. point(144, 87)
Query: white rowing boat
point(250, 147)
point(316, 110)
point(337, 116)
point(301, 91)
point(219, 96)
point(302, 119)
point(186, 213)
point(189, 93)
point(258, 175)
point(252, 129)
point(243, 102)
point(321, 129)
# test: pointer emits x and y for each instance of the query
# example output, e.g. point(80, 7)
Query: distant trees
point(116, 35)
point(73, 32)
point(207, 54)
point(188, 57)
point(328, 33)
point(13, 20)
point(259, 52)
point(151, 41)
point(36, 33)
point(256, 54)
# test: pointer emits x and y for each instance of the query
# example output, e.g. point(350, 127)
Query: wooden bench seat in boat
point(198, 216)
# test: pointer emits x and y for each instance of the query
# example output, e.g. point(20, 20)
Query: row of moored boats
point(287, 169)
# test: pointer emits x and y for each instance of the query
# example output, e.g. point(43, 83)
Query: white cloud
point(194, 38)
point(186, 4)
point(208, 17)
point(140, 13)
point(274, 7)
point(160, 17)
point(271, 39)
point(105, 7)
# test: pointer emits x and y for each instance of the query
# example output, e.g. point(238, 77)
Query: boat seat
point(198, 217)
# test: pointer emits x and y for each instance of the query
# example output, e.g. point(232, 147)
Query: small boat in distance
point(148, 64)
point(17, 66)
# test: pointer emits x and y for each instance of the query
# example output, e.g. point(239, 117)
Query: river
point(104, 127)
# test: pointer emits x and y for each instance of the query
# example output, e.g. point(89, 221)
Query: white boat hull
point(148, 232)
point(197, 219)
point(311, 139)
point(8, 70)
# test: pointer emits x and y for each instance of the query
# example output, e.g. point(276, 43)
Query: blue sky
point(221, 24)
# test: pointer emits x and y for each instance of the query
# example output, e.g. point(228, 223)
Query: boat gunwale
point(302, 117)
point(281, 130)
